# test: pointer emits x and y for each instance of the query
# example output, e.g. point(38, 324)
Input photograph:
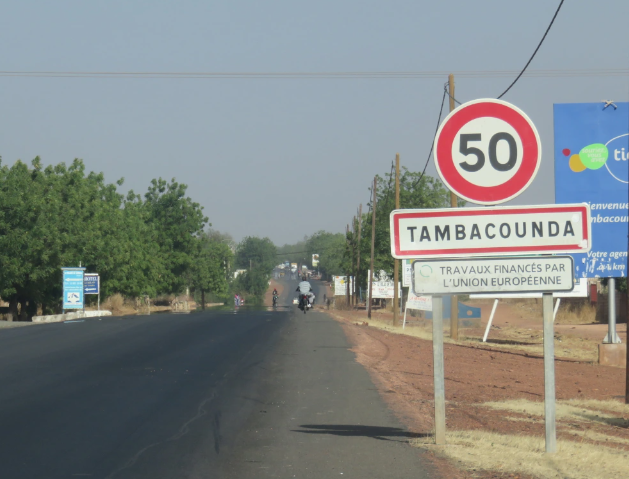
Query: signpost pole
point(396, 263)
point(549, 373)
point(438, 370)
point(360, 222)
point(612, 337)
point(373, 240)
point(454, 300)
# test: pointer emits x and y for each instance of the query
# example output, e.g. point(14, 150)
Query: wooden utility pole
point(373, 242)
point(347, 273)
point(396, 263)
point(360, 222)
point(352, 260)
point(454, 300)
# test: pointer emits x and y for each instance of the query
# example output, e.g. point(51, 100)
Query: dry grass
point(588, 410)
point(115, 303)
point(512, 339)
point(480, 450)
point(576, 313)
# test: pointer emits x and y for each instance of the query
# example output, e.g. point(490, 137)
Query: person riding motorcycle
point(275, 296)
point(305, 288)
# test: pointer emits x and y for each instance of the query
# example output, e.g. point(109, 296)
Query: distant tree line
point(140, 245)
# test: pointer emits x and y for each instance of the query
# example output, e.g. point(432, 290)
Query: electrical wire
point(432, 145)
point(535, 52)
point(559, 73)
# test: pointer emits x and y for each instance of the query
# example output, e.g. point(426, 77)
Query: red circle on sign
point(531, 154)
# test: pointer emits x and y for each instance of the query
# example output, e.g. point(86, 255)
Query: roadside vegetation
point(158, 244)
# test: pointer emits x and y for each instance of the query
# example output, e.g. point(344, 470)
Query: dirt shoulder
point(494, 392)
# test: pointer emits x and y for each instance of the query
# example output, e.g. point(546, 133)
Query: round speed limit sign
point(487, 151)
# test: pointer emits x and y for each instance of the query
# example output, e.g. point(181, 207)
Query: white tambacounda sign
point(492, 231)
point(542, 274)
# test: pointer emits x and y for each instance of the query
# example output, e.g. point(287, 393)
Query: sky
point(285, 157)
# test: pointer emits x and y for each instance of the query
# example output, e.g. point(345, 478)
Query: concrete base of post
point(612, 355)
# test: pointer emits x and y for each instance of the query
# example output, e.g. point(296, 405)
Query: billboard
point(73, 288)
point(315, 260)
point(591, 157)
point(383, 286)
point(340, 285)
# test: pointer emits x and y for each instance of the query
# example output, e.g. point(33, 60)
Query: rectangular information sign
point(423, 303)
point(73, 288)
point(491, 231)
point(91, 283)
point(542, 274)
point(340, 285)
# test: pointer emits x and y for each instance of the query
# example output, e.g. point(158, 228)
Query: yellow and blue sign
point(73, 296)
point(591, 166)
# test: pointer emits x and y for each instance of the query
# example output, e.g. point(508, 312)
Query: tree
point(209, 271)
point(176, 220)
point(330, 247)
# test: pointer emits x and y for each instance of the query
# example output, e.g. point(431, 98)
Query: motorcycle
point(304, 304)
point(274, 300)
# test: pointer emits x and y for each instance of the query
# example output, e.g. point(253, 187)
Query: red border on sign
point(484, 194)
point(461, 212)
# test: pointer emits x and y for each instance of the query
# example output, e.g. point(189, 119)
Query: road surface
point(222, 394)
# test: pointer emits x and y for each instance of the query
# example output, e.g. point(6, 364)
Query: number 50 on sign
point(487, 151)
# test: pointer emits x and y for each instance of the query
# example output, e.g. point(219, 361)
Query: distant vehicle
point(293, 267)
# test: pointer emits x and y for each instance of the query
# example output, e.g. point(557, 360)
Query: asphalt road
point(223, 394)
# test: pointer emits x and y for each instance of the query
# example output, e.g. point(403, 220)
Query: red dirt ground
point(401, 367)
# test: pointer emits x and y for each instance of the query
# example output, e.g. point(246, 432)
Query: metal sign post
point(549, 373)
point(438, 370)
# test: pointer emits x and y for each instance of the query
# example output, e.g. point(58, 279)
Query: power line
point(432, 145)
point(558, 73)
point(534, 53)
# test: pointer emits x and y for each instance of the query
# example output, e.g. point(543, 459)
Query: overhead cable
point(535, 52)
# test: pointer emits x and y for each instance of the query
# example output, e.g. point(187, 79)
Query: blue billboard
point(591, 157)
point(73, 288)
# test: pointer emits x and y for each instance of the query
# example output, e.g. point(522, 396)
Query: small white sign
point(340, 285)
point(423, 303)
point(545, 274)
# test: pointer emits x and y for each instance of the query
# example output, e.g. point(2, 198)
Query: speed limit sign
point(487, 151)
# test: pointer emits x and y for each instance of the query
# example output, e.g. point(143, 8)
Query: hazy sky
point(284, 157)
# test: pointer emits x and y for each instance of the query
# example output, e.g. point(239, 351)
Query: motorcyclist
point(305, 288)
point(275, 296)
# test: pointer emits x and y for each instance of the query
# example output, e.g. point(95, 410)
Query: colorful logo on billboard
point(595, 156)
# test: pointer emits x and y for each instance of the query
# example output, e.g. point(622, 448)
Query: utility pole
point(454, 300)
point(360, 222)
point(373, 242)
point(347, 277)
point(354, 264)
point(396, 263)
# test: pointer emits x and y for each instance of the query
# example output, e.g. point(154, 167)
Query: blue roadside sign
point(591, 158)
point(73, 288)
point(91, 283)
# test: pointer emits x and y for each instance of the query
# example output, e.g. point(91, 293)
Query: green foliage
point(62, 216)
point(258, 256)
point(331, 248)
point(210, 269)
point(256, 253)
point(414, 193)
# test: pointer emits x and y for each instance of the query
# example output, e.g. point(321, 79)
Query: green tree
point(176, 221)
point(330, 247)
point(209, 271)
